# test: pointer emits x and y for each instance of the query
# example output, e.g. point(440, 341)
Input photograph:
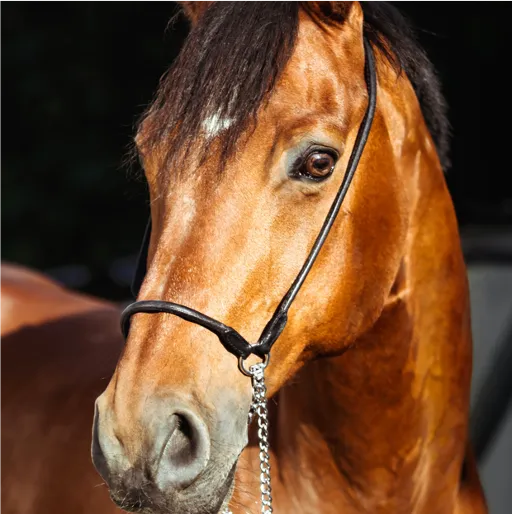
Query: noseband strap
point(229, 337)
point(232, 341)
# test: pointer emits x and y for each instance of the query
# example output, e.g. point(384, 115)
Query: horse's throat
point(371, 430)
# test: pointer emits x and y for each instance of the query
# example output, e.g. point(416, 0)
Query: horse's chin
point(225, 504)
point(202, 497)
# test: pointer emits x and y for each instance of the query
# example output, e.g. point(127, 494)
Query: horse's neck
point(382, 428)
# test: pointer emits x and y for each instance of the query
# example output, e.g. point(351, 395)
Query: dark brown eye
point(319, 164)
point(316, 165)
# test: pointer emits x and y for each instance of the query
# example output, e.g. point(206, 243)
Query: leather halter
point(232, 341)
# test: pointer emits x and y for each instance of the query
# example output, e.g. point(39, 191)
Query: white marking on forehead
point(214, 124)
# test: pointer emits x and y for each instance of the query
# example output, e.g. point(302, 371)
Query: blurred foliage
point(77, 75)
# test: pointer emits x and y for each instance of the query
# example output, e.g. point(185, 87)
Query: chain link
point(259, 408)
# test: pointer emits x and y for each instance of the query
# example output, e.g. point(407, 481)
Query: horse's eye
point(317, 165)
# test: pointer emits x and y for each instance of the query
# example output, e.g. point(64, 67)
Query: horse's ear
point(337, 10)
point(194, 10)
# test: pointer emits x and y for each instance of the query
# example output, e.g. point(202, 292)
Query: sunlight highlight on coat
point(8, 307)
point(189, 210)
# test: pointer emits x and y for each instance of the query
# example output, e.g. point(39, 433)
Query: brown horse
point(244, 149)
point(59, 349)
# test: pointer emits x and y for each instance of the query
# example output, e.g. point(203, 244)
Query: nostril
point(185, 453)
point(182, 445)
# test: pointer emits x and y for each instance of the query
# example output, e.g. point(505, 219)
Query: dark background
point(77, 75)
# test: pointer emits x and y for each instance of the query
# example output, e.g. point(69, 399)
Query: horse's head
point(244, 150)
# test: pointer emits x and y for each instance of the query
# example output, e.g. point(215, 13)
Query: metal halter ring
point(247, 372)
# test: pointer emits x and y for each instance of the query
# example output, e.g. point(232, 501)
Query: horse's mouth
point(150, 500)
point(142, 502)
point(129, 506)
point(225, 504)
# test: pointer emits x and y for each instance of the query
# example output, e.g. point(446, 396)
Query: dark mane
point(389, 30)
point(233, 57)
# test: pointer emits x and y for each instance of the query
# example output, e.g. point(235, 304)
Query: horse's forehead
point(314, 82)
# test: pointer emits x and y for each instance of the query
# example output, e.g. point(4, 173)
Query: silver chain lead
point(259, 403)
point(259, 407)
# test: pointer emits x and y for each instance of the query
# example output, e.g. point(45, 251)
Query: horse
point(59, 348)
point(244, 149)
